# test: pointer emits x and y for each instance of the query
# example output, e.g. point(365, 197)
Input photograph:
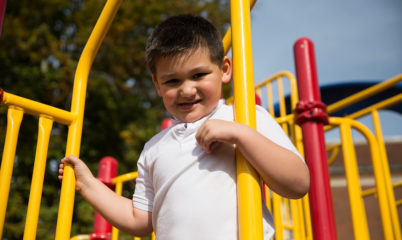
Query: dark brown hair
point(182, 34)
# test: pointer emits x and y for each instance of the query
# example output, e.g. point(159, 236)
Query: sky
point(356, 40)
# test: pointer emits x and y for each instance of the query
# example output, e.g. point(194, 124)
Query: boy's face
point(191, 84)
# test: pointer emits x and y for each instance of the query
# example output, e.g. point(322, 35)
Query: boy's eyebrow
point(194, 70)
point(167, 75)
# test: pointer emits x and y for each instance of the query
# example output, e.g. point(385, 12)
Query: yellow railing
point(386, 199)
point(291, 217)
point(18, 106)
point(388, 205)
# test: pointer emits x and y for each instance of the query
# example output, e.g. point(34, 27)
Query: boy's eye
point(171, 81)
point(199, 75)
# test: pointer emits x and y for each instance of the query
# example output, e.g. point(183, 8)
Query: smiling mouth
point(189, 104)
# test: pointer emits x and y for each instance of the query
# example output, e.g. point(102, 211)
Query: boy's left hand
point(215, 130)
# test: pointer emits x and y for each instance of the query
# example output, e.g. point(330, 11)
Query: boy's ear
point(158, 90)
point(226, 70)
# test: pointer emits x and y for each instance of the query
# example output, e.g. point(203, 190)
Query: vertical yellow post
point(31, 222)
point(248, 190)
point(66, 204)
point(387, 175)
point(14, 118)
point(360, 227)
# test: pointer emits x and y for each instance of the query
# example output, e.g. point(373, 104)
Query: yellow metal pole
point(295, 219)
point(37, 109)
point(359, 220)
point(118, 190)
point(14, 118)
point(66, 204)
point(227, 39)
point(364, 94)
point(248, 190)
point(307, 218)
point(31, 222)
point(387, 175)
point(378, 172)
point(278, 221)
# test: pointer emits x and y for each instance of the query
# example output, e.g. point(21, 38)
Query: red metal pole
point(106, 172)
point(311, 117)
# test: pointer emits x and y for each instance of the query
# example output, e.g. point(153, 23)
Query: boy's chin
point(190, 119)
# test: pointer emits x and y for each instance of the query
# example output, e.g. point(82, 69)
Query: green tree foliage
point(39, 48)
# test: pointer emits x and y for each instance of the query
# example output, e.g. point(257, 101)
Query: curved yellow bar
point(31, 222)
point(364, 94)
point(14, 118)
point(248, 189)
point(81, 237)
point(66, 205)
point(125, 177)
point(381, 105)
point(37, 109)
point(381, 181)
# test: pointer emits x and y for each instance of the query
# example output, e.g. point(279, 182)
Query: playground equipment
point(307, 218)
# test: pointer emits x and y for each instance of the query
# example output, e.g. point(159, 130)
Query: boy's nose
point(188, 90)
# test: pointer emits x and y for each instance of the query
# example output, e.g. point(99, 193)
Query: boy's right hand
point(83, 175)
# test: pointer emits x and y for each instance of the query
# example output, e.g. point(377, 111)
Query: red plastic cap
point(107, 170)
point(257, 99)
point(100, 236)
point(1, 94)
point(167, 122)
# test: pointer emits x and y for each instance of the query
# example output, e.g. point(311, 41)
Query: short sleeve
point(267, 126)
point(144, 194)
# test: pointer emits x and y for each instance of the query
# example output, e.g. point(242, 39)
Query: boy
point(186, 185)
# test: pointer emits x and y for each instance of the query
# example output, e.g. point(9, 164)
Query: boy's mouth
point(188, 105)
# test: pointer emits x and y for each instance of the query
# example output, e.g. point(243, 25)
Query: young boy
point(186, 185)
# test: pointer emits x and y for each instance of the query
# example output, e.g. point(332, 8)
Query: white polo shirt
point(192, 194)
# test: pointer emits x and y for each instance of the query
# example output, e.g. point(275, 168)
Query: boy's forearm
point(281, 169)
point(116, 209)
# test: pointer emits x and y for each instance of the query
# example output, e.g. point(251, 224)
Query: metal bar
point(248, 189)
point(323, 220)
point(378, 106)
point(66, 204)
point(307, 217)
point(270, 99)
point(359, 219)
point(119, 191)
point(295, 219)
point(38, 109)
point(31, 222)
point(227, 38)
point(278, 221)
point(124, 178)
point(381, 105)
point(378, 172)
point(364, 94)
point(387, 175)
point(14, 118)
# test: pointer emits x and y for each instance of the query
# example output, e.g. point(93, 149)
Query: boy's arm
point(117, 210)
point(281, 169)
